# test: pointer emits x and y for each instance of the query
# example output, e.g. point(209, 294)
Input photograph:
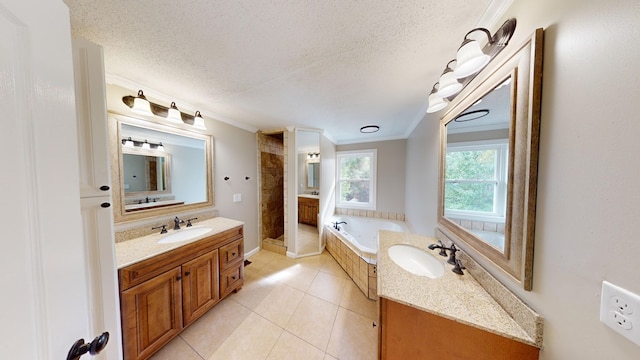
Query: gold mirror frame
point(524, 66)
point(115, 149)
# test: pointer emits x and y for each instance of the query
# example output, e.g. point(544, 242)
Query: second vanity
point(450, 317)
point(164, 287)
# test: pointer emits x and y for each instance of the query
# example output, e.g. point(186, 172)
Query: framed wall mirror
point(158, 170)
point(489, 161)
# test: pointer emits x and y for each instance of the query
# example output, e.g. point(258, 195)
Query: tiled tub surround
point(138, 249)
point(354, 247)
point(459, 298)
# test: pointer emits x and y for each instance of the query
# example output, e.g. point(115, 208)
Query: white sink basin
point(184, 234)
point(416, 261)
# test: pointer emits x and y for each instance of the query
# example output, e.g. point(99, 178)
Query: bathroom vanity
point(308, 208)
point(164, 287)
point(447, 317)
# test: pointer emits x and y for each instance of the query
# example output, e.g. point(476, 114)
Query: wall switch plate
point(620, 310)
point(237, 198)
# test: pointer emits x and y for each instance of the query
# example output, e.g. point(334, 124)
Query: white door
point(44, 304)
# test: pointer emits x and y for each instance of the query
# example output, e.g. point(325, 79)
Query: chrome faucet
point(176, 223)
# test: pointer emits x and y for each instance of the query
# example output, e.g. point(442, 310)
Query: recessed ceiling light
point(368, 129)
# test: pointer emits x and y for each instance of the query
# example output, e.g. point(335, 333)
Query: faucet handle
point(189, 221)
point(164, 229)
point(458, 267)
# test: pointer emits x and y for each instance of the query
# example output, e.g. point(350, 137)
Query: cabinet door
point(91, 112)
point(231, 254)
point(231, 279)
point(200, 286)
point(408, 333)
point(151, 314)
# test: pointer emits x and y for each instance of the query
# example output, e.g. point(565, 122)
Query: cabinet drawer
point(231, 255)
point(231, 279)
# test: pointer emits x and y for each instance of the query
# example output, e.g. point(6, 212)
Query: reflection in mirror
point(313, 175)
point(174, 172)
point(144, 173)
point(477, 166)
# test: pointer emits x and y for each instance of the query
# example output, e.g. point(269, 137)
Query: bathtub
point(355, 248)
point(360, 234)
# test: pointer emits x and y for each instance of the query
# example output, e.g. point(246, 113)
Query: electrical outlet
point(619, 309)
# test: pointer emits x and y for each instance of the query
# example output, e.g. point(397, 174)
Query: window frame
point(500, 191)
point(373, 155)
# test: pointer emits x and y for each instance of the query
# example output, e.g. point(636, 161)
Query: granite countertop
point(310, 196)
point(138, 249)
point(455, 297)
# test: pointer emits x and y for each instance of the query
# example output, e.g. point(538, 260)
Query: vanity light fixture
point(449, 84)
point(128, 143)
point(436, 103)
point(141, 105)
point(470, 60)
point(369, 129)
point(470, 57)
point(198, 121)
point(173, 114)
point(312, 156)
point(144, 144)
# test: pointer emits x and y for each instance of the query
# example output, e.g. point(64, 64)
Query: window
point(476, 180)
point(356, 179)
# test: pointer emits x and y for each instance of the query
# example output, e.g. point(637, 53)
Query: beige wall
point(588, 172)
point(391, 172)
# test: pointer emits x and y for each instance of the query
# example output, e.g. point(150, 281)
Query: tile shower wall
point(272, 178)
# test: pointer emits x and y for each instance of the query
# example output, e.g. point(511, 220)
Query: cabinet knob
point(233, 254)
point(186, 273)
point(178, 278)
point(105, 188)
point(233, 277)
point(105, 205)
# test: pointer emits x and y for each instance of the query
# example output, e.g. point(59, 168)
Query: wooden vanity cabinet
point(162, 295)
point(308, 210)
point(231, 267)
point(408, 333)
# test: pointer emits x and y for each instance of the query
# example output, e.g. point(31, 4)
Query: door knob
point(79, 348)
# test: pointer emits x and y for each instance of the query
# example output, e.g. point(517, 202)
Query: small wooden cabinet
point(162, 295)
point(308, 210)
point(409, 333)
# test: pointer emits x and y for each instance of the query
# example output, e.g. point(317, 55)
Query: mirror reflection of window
point(477, 167)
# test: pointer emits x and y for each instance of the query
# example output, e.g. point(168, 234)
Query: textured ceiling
point(335, 65)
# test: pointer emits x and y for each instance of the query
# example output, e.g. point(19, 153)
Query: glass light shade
point(198, 121)
point(449, 85)
point(160, 147)
point(436, 103)
point(146, 145)
point(470, 59)
point(173, 114)
point(128, 143)
point(141, 104)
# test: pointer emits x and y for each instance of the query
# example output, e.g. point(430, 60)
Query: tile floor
point(305, 308)
point(308, 242)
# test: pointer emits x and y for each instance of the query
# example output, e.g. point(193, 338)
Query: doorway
point(272, 159)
